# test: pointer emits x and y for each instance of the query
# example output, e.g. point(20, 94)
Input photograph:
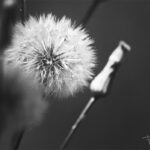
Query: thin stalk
point(22, 10)
point(90, 11)
point(77, 122)
point(17, 138)
point(8, 18)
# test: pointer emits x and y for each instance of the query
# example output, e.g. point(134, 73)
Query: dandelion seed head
point(59, 55)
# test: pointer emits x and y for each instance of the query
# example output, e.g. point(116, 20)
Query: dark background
point(121, 119)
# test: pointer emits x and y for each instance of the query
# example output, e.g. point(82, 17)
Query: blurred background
point(122, 119)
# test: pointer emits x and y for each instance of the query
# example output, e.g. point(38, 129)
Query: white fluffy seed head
point(58, 54)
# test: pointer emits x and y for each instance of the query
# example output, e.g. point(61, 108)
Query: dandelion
point(59, 55)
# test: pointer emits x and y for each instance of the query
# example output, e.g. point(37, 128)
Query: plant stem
point(90, 11)
point(17, 138)
point(77, 122)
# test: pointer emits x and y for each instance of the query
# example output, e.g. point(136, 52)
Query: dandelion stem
point(22, 10)
point(90, 11)
point(9, 15)
point(17, 138)
point(77, 122)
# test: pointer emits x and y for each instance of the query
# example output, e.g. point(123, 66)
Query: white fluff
point(59, 55)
